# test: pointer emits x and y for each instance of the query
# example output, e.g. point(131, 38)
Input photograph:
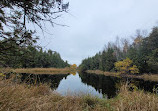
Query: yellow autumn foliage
point(126, 67)
point(74, 66)
point(73, 73)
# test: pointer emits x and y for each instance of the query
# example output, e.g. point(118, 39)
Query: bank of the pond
point(149, 77)
point(22, 97)
point(38, 70)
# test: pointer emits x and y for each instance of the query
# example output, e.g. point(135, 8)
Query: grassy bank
point(44, 70)
point(38, 70)
point(150, 77)
point(22, 97)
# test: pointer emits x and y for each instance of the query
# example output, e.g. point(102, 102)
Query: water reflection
point(141, 84)
point(52, 80)
point(110, 85)
point(73, 85)
point(103, 84)
point(83, 83)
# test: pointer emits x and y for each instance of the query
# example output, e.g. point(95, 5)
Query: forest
point(32, 57)
point(143, 52)
point(18, 43)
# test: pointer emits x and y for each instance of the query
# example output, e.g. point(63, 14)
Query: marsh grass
point(134, 101)
point(22, 97)
point(153, 77)
point(5, 70)
point(41, 98)
point(43, 70)
point(148, 77)
point(37, 70)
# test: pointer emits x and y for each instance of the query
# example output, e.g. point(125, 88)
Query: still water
point(83, 83)
point(74, 85)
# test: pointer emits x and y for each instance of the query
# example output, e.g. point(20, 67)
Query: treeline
point(17, 38)
point(30, 57)
point(143, 51)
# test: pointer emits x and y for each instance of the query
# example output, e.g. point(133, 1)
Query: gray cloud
point(93, 23)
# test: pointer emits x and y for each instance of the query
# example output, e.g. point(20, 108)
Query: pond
point(83, 83)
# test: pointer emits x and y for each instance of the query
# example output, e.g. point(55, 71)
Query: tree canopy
point(32, 57)
point(15, 15)
point(17, 39)
point(142, 52)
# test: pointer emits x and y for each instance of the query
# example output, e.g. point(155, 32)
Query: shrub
point(126, 67)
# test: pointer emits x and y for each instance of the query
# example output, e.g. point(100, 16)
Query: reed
point(22, 97)
point(148, 77)
point(37, 70)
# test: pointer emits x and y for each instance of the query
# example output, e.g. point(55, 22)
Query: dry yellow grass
point(150, 77)
point(153, 77)
point(21, 97)
point(102, 72)
point(5, 70)
point(37, 70)
point(134, 101)
point(39, 98)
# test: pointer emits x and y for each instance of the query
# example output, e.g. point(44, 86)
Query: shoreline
point(52, 71)
point(146, 77)
point(23, 97)
point(40, 97)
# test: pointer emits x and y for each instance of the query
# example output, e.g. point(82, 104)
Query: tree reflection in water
point(52, 80)
point(109, 86)
point(106, 86)
point(103, 84)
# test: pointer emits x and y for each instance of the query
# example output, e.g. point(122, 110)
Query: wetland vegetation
point(121, 77)
point(23, 96)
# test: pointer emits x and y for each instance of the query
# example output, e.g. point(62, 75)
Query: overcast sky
point(93, 23)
